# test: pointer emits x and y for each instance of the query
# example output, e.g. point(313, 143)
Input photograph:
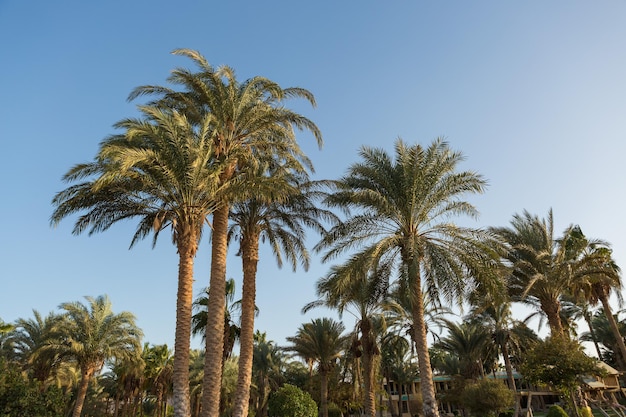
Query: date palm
point(157, 170)
point(540, 266)
point(92, 334)
point(403, 208)
point(362, 294)
point(279, 215)
point(29, 337)
point(320, 341)
point(232, 330)
point(468, 341)
point(595, 275)
point(158, 371)
point(605, 336)
point(249, 122)
point(267, 365)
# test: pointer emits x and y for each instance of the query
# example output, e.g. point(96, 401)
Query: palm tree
point(605, 336)
point(157, 170)
point(249, 123)
point(29, 337)
point(124, 383)
point(393, 349)
point(403, 208)
point(364, 292)
point(278, 214)
point(196, 374)
point(232, 331)
point(540, 266)
point(158, 371)
point(595, 275)
point(398, 312)
point(320, 341)
point(268, 361)
point(468, 341)
point(92, 334)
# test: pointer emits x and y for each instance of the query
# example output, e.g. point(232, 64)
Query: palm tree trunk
point(212, 383)
point(509, 375)
point(592, 331)
point(323, 393)
point(611, 319)
point(552, 310)
point(187, 248)
point(369, 348)
point(250, 259)
point(86, 375)
point(426, 373)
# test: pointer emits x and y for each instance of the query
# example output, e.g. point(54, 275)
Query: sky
point(532, 93)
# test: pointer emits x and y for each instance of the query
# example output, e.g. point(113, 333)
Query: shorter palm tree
point(361, 293)
point(29, 337)
point(468, 341)
point(320, 341)
point(92, 334)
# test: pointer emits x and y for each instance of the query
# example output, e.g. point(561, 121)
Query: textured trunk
point(553, 312)
point(592, 331)
point(323, 393)
point(616, 333)
point(212, 383)
point(509, 375)
point(250, 259)
point(187, 248)
point(369, 351)
point(429, 406)
point(85, 377)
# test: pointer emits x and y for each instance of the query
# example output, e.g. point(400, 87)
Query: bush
point(291, 401)
point(556, 411)
point(487, 396)
point(585, 411)
point(21, 397)
point(334, 410)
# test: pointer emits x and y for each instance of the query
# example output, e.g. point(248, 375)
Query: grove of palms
point(212, 155)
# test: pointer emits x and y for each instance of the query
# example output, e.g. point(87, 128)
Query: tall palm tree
point(343, 289)
point(540, 266)
point(249, 122)
point(157, 170)
point(91, 335)
point(595, 275)
point(321, 341)
point(403, 210)
point(278, 214)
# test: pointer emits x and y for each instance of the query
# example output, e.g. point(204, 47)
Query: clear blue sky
point(533, 93)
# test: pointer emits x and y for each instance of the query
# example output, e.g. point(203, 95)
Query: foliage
point(334, 410)
point(559, 362)
point(22, 397)
point(585, 411)
point(487, 396)
point(556, 411)
point(291, 401)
